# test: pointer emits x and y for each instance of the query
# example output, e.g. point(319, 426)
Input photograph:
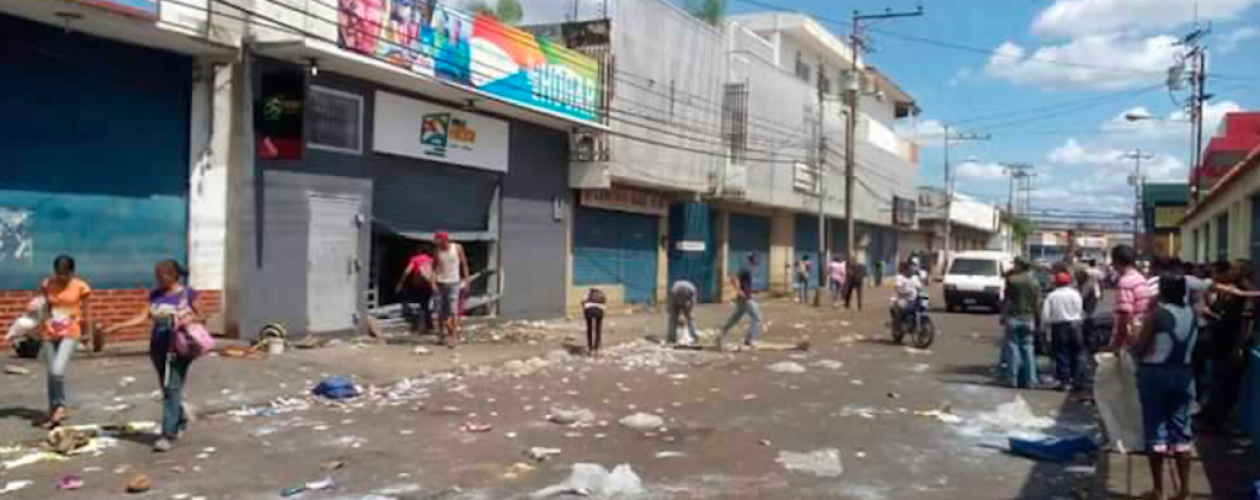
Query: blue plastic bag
point(336, 387)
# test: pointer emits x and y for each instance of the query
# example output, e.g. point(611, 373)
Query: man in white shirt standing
point(1062, 310)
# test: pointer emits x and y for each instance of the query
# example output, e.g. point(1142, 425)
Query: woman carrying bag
point(66, 297)
point(177, 339)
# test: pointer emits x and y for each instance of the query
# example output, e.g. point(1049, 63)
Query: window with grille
point(735, 121)
point(336, 121)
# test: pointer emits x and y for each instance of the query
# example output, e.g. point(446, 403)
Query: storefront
point(617, 242)
point(96, 156)
point(750, 234)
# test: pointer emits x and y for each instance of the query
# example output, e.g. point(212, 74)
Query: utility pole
point(821, 161)
point(1196, 55)
point(949, 187)
point(1017, 172)
point(850, 132)
point(1136, 180)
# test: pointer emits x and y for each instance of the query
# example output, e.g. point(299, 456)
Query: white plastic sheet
point(1116, 393)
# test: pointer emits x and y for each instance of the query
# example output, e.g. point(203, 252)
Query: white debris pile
point(641, 355)
point(642, 421)
point(828, 364)
point(523, 368)
point(571, 416)
point(1015, 419)
point(594, 480)
point(786, 367)
point(822, 463)
point(518, 332)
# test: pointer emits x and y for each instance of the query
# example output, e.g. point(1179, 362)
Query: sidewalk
point(120, 384)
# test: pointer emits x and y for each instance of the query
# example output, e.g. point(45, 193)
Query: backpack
point(597, 296)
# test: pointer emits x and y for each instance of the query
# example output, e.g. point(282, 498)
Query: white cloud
point(1109, 166)
point(1237, 37)
point(1173, 124)
point(927, 132)
point(1094, 62)
point(1075, 18)
point(983, 171)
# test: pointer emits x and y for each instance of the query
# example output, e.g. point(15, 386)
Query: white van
point(976, 279)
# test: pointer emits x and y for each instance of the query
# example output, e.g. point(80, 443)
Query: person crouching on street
point(1063, 313)
point(593, 310)
point(170, 306)
point(682, 301)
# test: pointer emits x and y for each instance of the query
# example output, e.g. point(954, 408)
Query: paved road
point(731, 428)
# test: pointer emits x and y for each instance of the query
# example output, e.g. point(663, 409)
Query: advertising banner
point(476, 51)
point(409, 127)
point(143, 9)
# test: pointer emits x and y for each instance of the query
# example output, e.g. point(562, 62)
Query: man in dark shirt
point(1019, 321)
point(745, 303)
point(1232, 325)
point(854, 282)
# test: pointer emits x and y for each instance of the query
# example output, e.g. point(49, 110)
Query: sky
point(1050, 81)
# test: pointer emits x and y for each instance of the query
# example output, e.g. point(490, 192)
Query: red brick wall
point(108, 307)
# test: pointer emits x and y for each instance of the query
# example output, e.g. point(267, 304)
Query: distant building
point(1238, 134)
point(1163, 205)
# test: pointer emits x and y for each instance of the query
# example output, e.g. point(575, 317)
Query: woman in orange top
point(67, 312)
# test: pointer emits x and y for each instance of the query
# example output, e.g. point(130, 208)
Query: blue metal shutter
point(692, 222)
point(806, 244)
point(615, 248)
point(748, 234)
point(93, 156)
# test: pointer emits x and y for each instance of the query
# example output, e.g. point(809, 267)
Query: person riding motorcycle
point(908, 288)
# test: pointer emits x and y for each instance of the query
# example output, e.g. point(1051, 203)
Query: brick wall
point(108, 307)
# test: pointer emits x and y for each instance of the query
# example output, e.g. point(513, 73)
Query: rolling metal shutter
point(616, 248)
point(806, 244)
point(418, 197)
point(748, 234)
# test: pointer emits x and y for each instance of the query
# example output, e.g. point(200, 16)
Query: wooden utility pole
point(949, 187)
point(821, 164)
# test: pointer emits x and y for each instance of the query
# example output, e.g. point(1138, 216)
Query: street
point(732, 427)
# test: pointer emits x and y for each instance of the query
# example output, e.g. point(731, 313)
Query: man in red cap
point(451, 273)
point(1062, 310)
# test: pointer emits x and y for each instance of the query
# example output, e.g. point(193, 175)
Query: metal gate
point(691, 248)
point(748, 234)
point(806, 244)
point(616, 248)
point(333, 263)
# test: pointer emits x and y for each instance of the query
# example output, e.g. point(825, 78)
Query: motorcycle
point(916, 323)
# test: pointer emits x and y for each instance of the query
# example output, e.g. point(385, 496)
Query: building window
point(803, 71)
point(735, 121)
point(336, 121)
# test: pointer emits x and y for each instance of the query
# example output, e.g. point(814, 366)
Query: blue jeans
point(744, 306)
point(162, 355)
point(1068, 348)
point(56, 355)
point(1166, 392)
point(1017, 350)
point(802, 287)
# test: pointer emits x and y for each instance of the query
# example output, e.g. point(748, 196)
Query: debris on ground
point(422, 351)
point(941, 415)
point(332, 465)
point(336, 387)
point(540, 454)
point(17, 370)
point(69, 483)
point(1014, 415)
point(570, 416)
point(829, 364)
point(474, 426)
point(893, 395)
point(786, 367)
point(642, 422)
point(517, 469)
point(671, 454)
point(822, 463)
point(139, 483)
point(594, 480)
point(13, 486)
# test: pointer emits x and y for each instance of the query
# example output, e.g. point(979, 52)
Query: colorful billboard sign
point(144, 9)
point(409, 127)
point(476, 51)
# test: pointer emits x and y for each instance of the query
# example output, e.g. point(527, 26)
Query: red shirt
point(422, 264)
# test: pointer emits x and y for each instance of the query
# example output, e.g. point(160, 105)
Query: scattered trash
point(593, 479)
point(140, 483)
point(829, 364)
point(860, 454)
point(570, 416)
point(1052, 449)
point(539, 454)
point(336, 387)
point(126, 381)
point(1013, 415)
point(421, 351)
point(332, 465)
point(66, 440)
point(323, 484)
point(893, 395)
point(671, 454)
point(786, 367)
point(69, 483)
point(17, 370)
point(517, 469)
point(13, 486)
point(941, 415)
point(822, 463)
point(765, 442)
point(473, 426)
point(643, 421)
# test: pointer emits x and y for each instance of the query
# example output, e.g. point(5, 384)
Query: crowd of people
point(1186, 327)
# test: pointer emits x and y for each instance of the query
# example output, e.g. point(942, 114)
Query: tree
point(1021, 228)
point(505, 11)
point(710, 11)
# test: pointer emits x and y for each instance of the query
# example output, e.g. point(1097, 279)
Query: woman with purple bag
point(171, 311)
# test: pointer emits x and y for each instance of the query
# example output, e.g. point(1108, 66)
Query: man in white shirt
point(1062, 310)
point(908, 286)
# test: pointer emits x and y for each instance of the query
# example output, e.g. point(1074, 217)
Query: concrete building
point(974, 225)
point(1163, 205)
point(1237, 134)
